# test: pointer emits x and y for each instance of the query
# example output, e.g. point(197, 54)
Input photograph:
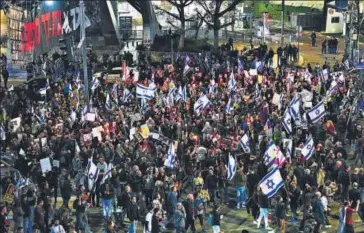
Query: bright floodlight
point(49, 3)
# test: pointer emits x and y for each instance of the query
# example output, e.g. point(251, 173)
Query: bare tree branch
point(168, 13)
point(203, 4)
point(230, 7)
point(226, 24)
point(203, 18)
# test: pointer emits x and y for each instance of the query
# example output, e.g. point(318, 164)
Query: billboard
point(43, 33)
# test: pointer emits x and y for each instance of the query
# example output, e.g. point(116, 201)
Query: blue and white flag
point(289, 149)
point(2, 133)
point(333, 87)
point(270, 154)
point(126, 95)
point(184, 97)
point(294, 108)
point(231, 167)
point(245, 143)
point(271, 183)
point(179, 94)
point(107, 174)
point(212, 87)
point(307, 150)
point(144, 92)
point(171, 156)
point(95, 83)
point(108, 103)
point(201, 103)
point(232, 82)
point(22, 182)
point(317, 112)
point(287, 122)
point(240, 66)
point(92, 175)
point(228, 107)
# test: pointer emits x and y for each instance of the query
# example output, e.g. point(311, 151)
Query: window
point(335, 20)
point(126, 26)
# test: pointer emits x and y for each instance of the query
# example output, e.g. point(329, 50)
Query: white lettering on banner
point(75, 14)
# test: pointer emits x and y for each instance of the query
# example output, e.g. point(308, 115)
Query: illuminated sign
point(49, 26)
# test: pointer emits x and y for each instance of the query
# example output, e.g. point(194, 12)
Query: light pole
point(282, 26)
point(170, 34)
point(84, 57)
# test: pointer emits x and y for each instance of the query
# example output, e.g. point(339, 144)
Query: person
point(124, 201)
point(216, 216)
point(324, 44)
point(66, 191)
point(280, 213)
point(318, 210)
point(294, 196)
point(57, 228)
point(110, 227)
point(107, 196)
point(155, 221)
point(133, 214)
point(5, 74)
point(171, 202)
point(190, 217)
point(79, 205)
point(3, 214)
point(263, 204)
point(240, 183)
point(39, 216)
point(148, 221)
point(313, 39)
point(211, 184)
point(180, 218)
point(18, 214)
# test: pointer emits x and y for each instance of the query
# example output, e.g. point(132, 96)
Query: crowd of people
point(168, 147)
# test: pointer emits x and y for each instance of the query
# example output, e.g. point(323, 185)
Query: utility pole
point(263, 27)
point(282, 26)
point(84, 56)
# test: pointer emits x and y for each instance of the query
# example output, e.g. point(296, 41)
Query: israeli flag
point(317, 112)
point(270, 154)
point(171, 156)
point(108, 103)
point(287, 122)
point(232, 82)
point(186, 69)
point(43, 91)
point(228, 107)
point(179, 94)
point(22, 182)
point(271, 183)
point(201, 103)
point(212, 87)
point(245, 143)
point(289, 149)
point(294, 107)
point(207, 62)
point(107, 174)
point(231, 167)
point(2, 133)
point(47, 85)
point(240, 66)
point(92, 175)
point(145, 92)
point(280, 158)
point(95, 83)
point(307, 150)
point(333, 88)
point(184, 97)
point(126, 95)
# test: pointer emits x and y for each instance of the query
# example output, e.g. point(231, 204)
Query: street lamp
point(49, 3)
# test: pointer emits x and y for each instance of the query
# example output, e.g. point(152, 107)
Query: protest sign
point(45, 165)
point(9, 195)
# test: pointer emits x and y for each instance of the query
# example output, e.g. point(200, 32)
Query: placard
point(9, 195)
point(307, 105)
point(253, 72)
point(96, 132)
point(15, 124)
point(276, 98)
point(145, 131)
point(45, 165)
point(286, 142)
point(55, 163)
point(260, 79)
point(43, 142)
point(90, 117)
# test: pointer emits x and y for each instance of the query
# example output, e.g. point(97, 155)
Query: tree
point(180, 6)
point(200, 20)
point(215, 11)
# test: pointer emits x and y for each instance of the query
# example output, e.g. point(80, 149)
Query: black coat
point(133, 211)
point(155, 224)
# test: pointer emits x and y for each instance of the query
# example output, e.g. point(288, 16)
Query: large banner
point(44, 32)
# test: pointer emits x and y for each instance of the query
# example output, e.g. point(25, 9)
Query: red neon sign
point(50, 23)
